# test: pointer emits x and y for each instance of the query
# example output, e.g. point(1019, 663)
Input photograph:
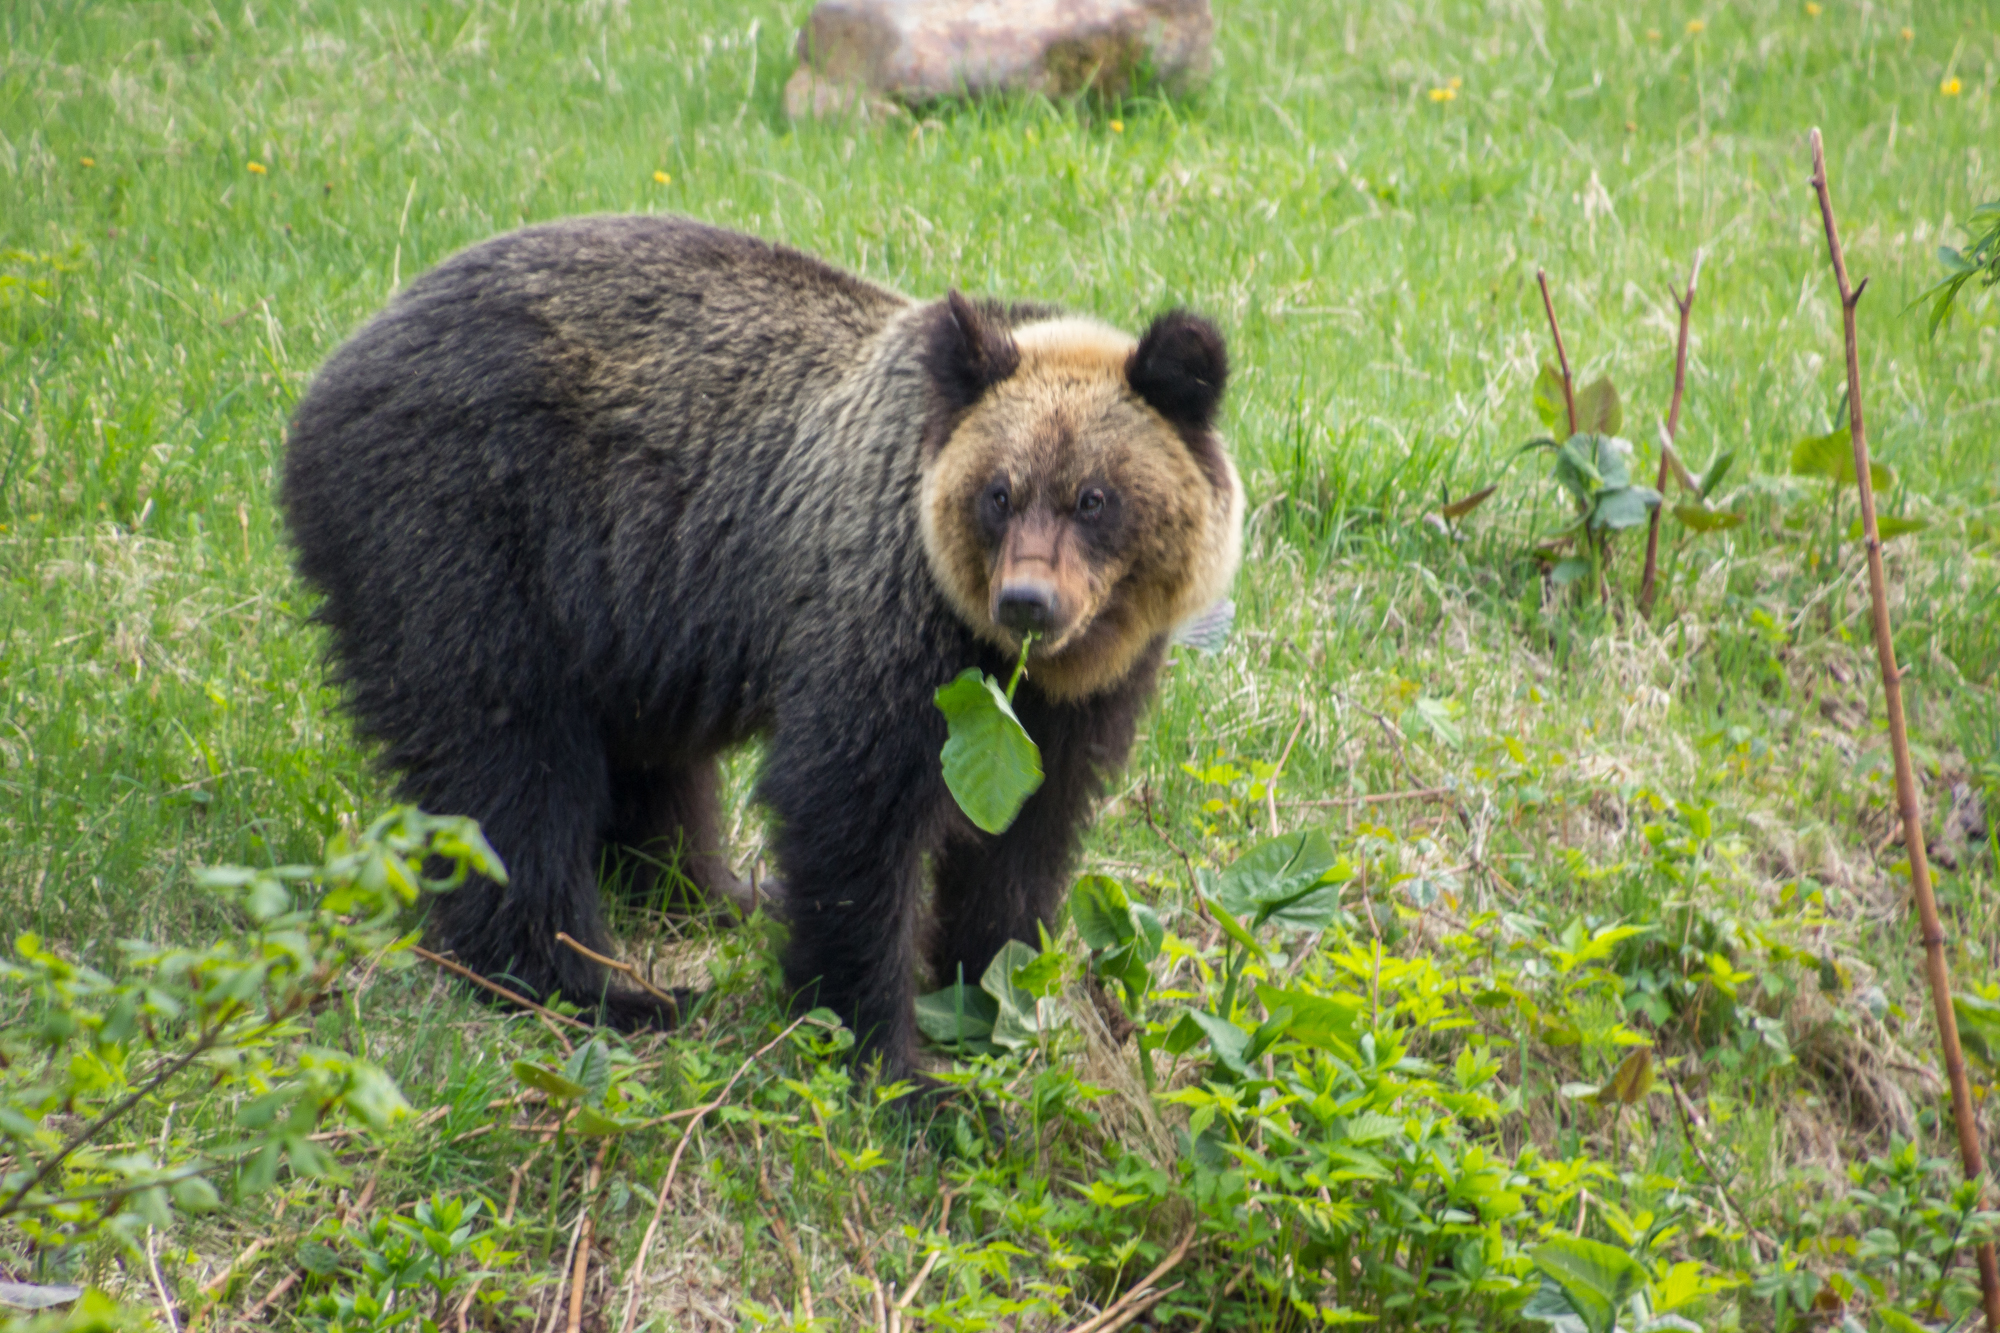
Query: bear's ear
point(967, 353)
point(1180, 367)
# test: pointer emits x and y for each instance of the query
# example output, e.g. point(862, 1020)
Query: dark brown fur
point(593, 502)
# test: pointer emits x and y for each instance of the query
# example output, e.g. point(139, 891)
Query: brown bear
point(592, 502)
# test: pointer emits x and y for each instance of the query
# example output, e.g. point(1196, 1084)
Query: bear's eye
point(1089, 503)
point(998, 497)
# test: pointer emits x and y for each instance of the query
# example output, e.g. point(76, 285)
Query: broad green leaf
point(1633, 1080)
point(1100, 909)
point(1703, 519)
point(1149, 936)
point(1130, 971)
point(1625, 507)
point(1832, 456)
point(1576, 468)
point(1042, 976)
point(1268, 1032)
point(1597, 408)
point(1614, 460)
point(990, 764)
point(1460, 508)
point(1597, 1278)
point(1548, 395)
point(1569, 571)
point(1889, 525)
point(589, 1067)
point(547, 1080)
point(593, 1123)
point(1183, 1036)
point(1332, 1022)
point(957, 1014)
point(1229, 1042)
point(1273, 873)
point(1018, 1021)
point(1550, 1306)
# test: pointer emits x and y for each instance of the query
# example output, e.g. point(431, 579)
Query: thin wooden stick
point(1686, 303)
point(930, 1262)
point(674, 1166)
point(548, 1016)
point(1935, 966)
point(1562, 357)
point(617, 966)
point(159, 1284)
point(1121, 1311)
point(589, 1227)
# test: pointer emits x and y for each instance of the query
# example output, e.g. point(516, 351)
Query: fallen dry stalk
point(1686, 304)
point(627, 969)
point(586, 1230)
point(1936, 968)
point(673, 1168)
point(548, 1016)
point(1141, 1297)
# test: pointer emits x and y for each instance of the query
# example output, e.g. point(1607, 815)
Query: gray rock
point(855, 55)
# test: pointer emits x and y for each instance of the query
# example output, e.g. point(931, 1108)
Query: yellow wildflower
point(1443, 94)
point(1117, 127)
point(662, 178)
point(1812, 10)
point(88, 161)
point(1950, 87)
point(1695, 26)
point(1455, 83)
point(1909, 34)
point(1652, 34)
point(256, 168)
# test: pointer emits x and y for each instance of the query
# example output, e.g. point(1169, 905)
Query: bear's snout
point(1027, 606)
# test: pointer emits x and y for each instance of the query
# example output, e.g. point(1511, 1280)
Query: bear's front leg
point(855, 814)
point(994, 889)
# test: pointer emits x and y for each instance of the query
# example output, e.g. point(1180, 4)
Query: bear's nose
point(1027, 608)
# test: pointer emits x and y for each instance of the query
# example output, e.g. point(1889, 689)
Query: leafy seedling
point(991, 765)
point(1831, 457)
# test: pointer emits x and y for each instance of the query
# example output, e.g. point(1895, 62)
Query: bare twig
point(1146, 803)
point(159, 1284)
point(1935, 966)
point(673, 1168)
point(638, 978)
point(1562, 356)
point(1686, 304)
point(1271, 783)
point(548, 1016)
point(1141, 1296)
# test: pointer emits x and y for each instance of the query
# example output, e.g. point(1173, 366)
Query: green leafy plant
point(1830, 457)
point(84, 1051)
point(1594, 467)
point(415, 1271)
point(1903, 1256)
point(991, 765)
point(1981, 260)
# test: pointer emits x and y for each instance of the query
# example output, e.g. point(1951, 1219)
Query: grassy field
point(198, 202)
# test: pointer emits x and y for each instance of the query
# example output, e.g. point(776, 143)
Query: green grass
point(1370, 251)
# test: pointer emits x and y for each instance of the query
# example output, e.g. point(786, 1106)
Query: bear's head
point(1074, 487)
